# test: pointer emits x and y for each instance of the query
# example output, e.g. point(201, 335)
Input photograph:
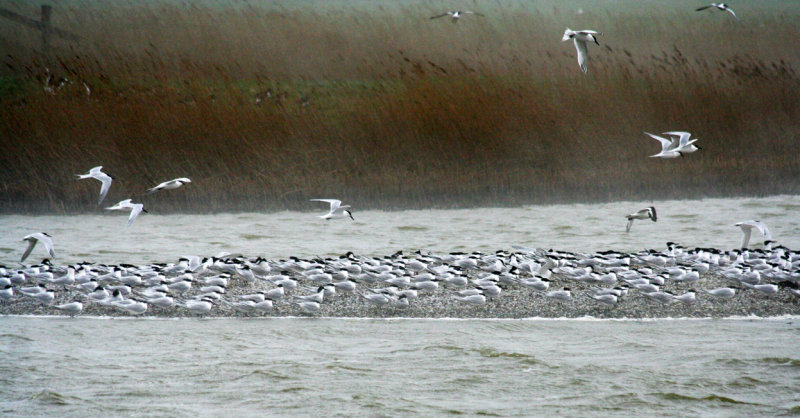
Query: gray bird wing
point(583, 53)
point(31, 244)
point(106, 181)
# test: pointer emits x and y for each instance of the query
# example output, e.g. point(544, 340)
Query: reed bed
point(266, 107)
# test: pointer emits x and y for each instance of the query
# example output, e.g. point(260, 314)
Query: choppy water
point(69, 367)
point(103, 237)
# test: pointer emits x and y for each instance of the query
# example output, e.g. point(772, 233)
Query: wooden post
point(46, 28)
point(43, 25)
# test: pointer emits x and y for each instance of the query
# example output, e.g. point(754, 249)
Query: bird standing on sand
point(71, 308)
point(642, 214)
point(721, 6)
point(580, 37)
point(37, 237)
point(97, 174)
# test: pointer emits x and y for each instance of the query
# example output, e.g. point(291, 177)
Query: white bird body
point(345, 286)
point(688, 298)
point(32, 239)
point(765, 288)
point(456, 14)
point(722, 292)
point(71, 308)
point(308, 306)
point(607, 299)
point(662, 297)
point(33, 290)
point(476, 299)
point(244, 306)
point(536, 283)
point(99, 293)
point(274, 294)
point(316, 297)
point(135, 208)
point(563, 294)
point(169, 185)
point(45, 297)
point(580, 38)
point(200, 306)
point(679, 145)
point(721, 6)
point(133, 307)
point(684, 146)
point(646, 213)
point(427, 285)
point(162, 301)
point(337, 210)
point(646, 287)
point(377, 299)
point(97, 174)
point(668, 147)
point(180, 286)
point(617, 291)
point(747, 228)
point(263, 306)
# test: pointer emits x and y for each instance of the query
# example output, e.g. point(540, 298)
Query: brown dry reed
point(267, 107)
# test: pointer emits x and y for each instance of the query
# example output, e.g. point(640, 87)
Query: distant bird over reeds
point(455, 15)
point(684, 146)
point(675, 147)
point(721, 6)
point(580, 38)
point(169, 185)
point(97, 174)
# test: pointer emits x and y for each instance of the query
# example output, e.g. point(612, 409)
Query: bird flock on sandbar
point(232, 283)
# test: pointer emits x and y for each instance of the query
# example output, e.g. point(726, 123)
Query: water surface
point(70, 367)
point(103, 237)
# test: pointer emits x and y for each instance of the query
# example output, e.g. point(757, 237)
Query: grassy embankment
point(265, 109)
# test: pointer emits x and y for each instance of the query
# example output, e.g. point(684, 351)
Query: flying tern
point(169, 185)
point(338, 211)
point(580, 37)
point(684, 145)
point(747, 228)
point(645, 213)
point(668, 147)
point(37, 237)
point(721, 6)
point(456, 14)
point(135, 208)
point(97, 174)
